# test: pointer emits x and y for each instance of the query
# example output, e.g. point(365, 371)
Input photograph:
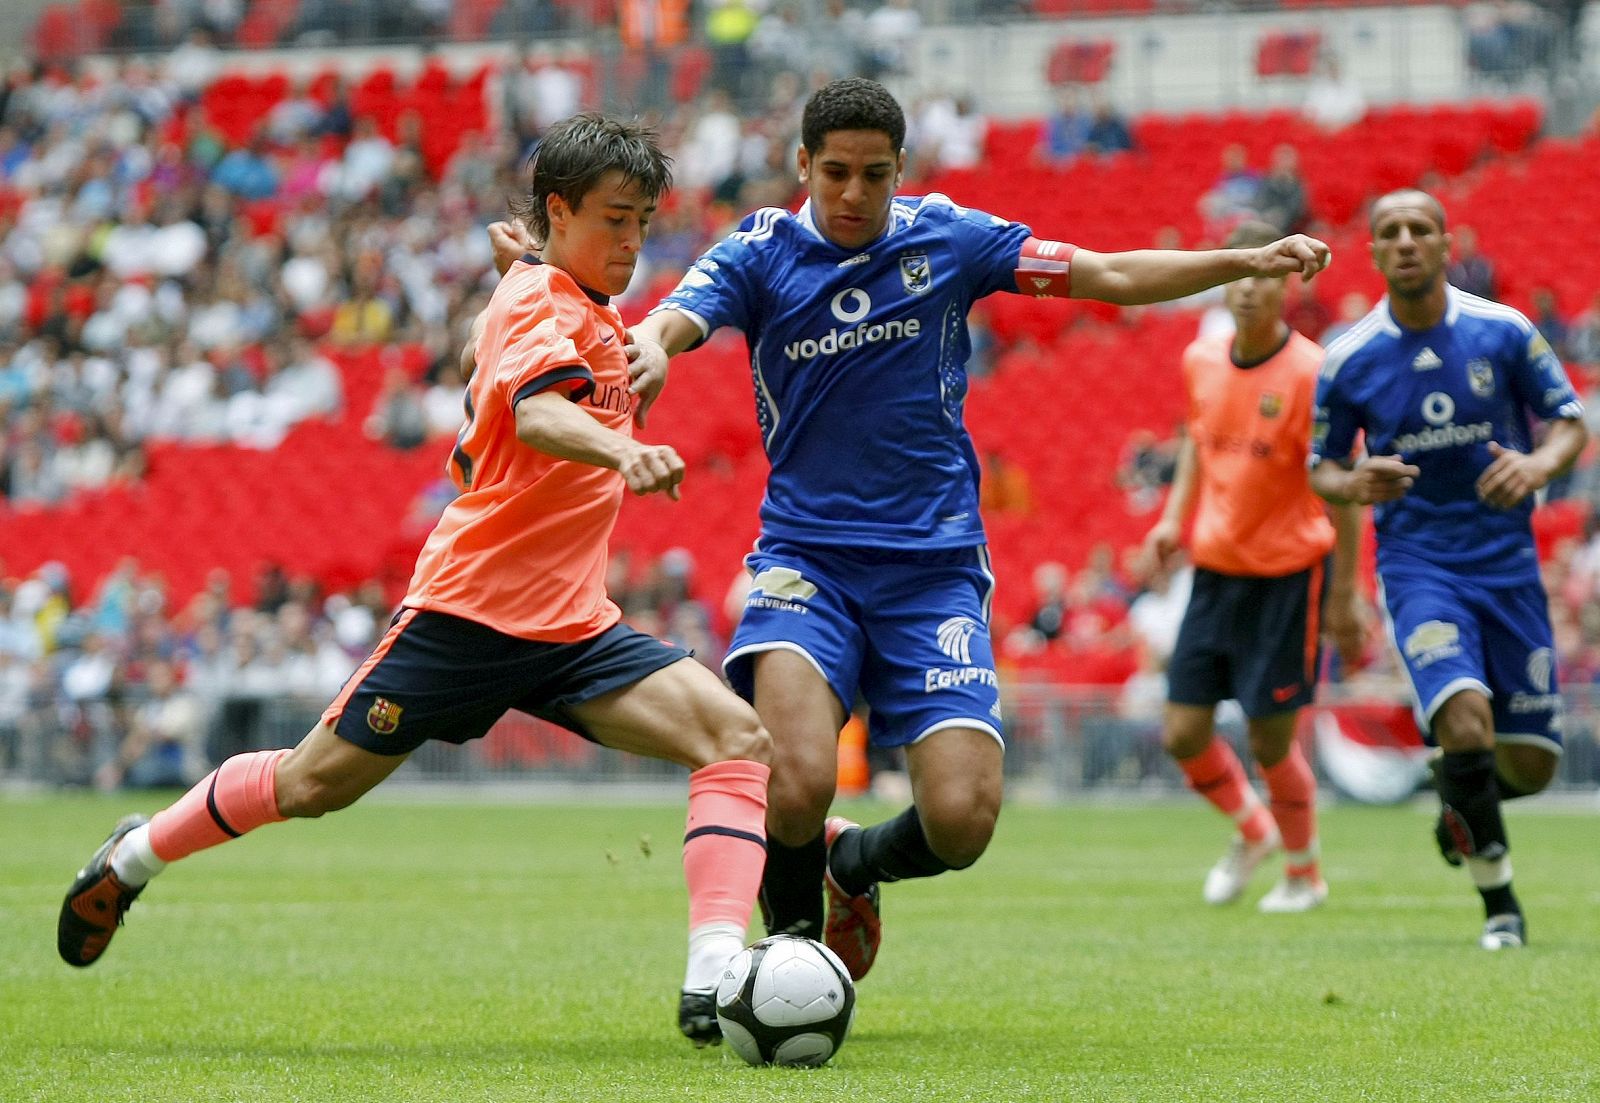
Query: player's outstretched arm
point(1158, 275)
point(651, 343)
point(550, 422)
point(1375, 479)
point(1512, 476)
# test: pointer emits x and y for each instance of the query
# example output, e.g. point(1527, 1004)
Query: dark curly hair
point(853, 103)
point(575, 153)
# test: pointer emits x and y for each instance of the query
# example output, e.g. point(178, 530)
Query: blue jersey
point(859, 362)
point(1437, 397)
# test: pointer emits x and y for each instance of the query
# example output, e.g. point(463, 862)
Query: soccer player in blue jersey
point(871, 573)
point(1445, 387)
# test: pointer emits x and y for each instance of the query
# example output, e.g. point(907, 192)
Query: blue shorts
point(1454, 634)
point(907, 631)
point(435, 676)
point(1251, 639)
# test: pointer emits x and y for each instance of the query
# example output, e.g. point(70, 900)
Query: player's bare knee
point(959, 828)
point(1464, 723)
point(961, 843)
point(797, 808)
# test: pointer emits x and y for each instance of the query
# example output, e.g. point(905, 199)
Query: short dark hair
point(1428, 200)
point(575, 153)
point(852, 103)
point(1252, 234)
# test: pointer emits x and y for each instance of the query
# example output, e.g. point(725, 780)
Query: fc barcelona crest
point(1271, 404)
point(384, 716)
point(915, 273)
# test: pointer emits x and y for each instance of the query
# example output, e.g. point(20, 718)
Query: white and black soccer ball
point(786, 1000)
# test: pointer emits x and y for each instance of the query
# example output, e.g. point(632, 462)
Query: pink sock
point(1293, 791)
point(238, 796)
point(1216, 774)
point(725, 841)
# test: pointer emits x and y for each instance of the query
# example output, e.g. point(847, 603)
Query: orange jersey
point(522, 549)
point(1255, 513)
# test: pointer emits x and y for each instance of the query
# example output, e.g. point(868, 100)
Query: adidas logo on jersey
point(1427, 360)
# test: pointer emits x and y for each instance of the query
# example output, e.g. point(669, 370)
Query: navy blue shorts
point(1454, 633)
point(435, 676)
point(1255, 640)
point(908, 631)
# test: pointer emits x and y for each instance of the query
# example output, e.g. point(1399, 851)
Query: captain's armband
point(1044, 269)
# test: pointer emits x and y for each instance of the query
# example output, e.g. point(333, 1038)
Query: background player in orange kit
point(1260, 546)
point(507, 608)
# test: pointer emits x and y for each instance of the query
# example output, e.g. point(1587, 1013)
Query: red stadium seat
point(1287, 53)
point(1080, 62)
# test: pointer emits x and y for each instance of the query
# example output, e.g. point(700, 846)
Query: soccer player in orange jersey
point(507, 608)
point(1260, 545)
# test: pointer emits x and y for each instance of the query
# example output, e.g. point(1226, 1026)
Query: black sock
point(1472, 803)
point(791, 887)
point(1500, 901)
point(893, 850)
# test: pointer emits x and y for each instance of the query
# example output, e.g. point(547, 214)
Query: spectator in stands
point(892, 30)
point(399, 417)
point(165, 742)
point(1050, 603)
point(248, 172)
point(295, 117)
point(1146, 468)
point(366, 162)
point(1470, 270)
point(365, 318)
point(946, 132)
point(1507, 38)
point(838, 38)
point(1108, 133)
point(1333, 99)
point(729, 26)
point(1066, 129)
point(1583, 339)
point(1546, 318)
point(709, 154)
point(1281, 200)
point(1233, 198)
point(193, 65)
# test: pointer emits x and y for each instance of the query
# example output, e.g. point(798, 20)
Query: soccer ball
point(786, 1000)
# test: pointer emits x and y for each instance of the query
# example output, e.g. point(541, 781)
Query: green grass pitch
point(451, 952)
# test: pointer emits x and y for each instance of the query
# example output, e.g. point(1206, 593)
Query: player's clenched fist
point(1296, 253)
point(652, 468)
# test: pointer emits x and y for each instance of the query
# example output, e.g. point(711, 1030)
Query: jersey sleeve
point(536, 353)
point(1335, 419)
point(990, 247)
point(719, 290)
point(1542, 380)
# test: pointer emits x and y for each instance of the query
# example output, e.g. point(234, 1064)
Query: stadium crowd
point(157, 283)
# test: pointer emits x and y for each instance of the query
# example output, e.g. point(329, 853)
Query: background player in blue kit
point(871, 571)
point(1444, 385)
